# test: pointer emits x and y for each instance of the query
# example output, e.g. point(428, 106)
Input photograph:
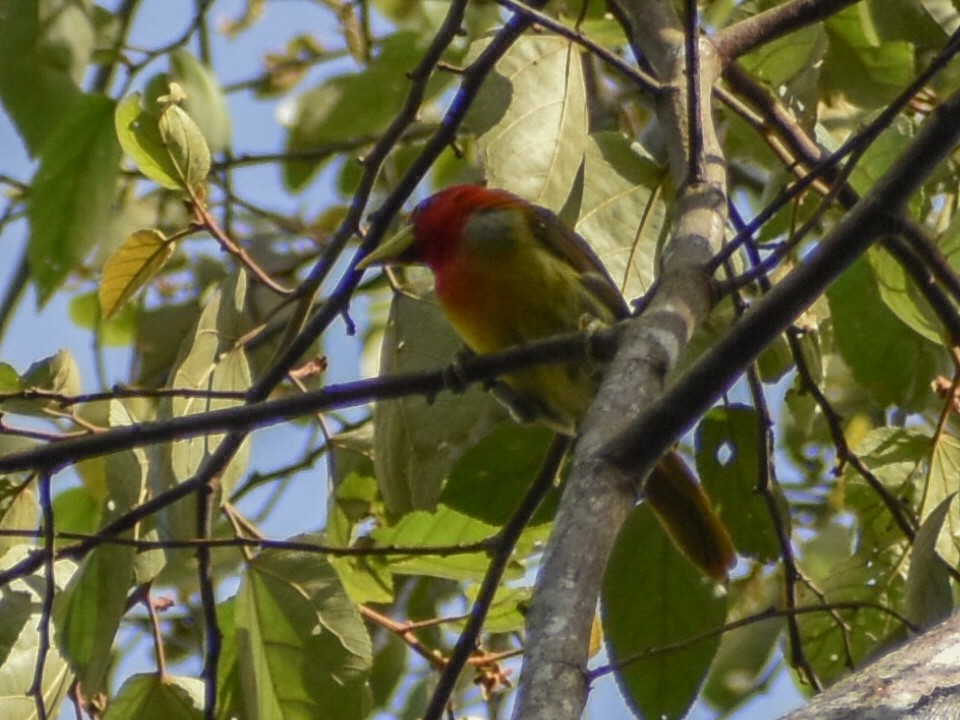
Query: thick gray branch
point(599, 497)
point(919, 680)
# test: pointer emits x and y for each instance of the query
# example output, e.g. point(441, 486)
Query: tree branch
point(598, 497)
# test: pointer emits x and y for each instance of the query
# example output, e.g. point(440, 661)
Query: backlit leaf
point(131, 267)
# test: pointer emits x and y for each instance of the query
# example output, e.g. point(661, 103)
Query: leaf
point(858, 65)
point(135, 263)
point(72, 193)
point(779, 61)
point(900, 292)
point(416, 442)
point(897, 458)
point(745, 652)
point(653, 597)
point(152, 697)
point(118, 331)
point(303, 650)
point(19, 510)
point(186, 146)
point(929, 598)
point(883, 354)
point(209, 359)
point(870, 579)
point(623, 211)
point(357, 105)
point(492, 477)
point(205, 101)
point(941, 486)
point(87, 614)
point(728, 461)
point(44, 50)
point(58, 374)
point(355, 501)
point(530, 118)
point(167, 147)
point(21, 610)
point(443, 528)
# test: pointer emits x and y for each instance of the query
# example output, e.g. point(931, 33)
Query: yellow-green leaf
point(139, 135)
point(133, 265)
point(185, 144)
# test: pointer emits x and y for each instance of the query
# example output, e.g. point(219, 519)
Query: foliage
point(141, 510)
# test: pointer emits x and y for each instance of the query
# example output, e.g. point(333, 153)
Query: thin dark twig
point(506, 541)
point(696, 162)
point(596, 345)
point(766, 480)
point(259, 543)
point(767, 614)
point(834, 421)
point(49, 590)
point(206, 497)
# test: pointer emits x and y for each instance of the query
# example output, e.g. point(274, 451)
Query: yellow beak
point(391, 250)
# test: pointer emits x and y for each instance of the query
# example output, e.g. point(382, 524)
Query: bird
point(508, 272)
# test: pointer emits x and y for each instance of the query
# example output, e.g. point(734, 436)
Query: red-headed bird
point(508, 272)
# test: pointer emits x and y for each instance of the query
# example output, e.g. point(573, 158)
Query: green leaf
point(135, 263)
point(872, 577)
point(21, 610)
point(443, 528)
point(623, 211)
point(530, 118)
point(728, 462)
point(186, 146)
point(901, 294)
point(139, 135)
point(884, 355)
point(745, 652)
point(230, 695)
point(416, 442)
point(355, 500)
point(929, 598)
point(652, 598)
point(941, 486)
point(779, 61)
point(352, 106)
point(19, 510)
point(205, 101)
point(869, 72)
point(151, 697)
point(944, 12)
point(167, 147)
point(492, 477)
point(45, 46)
point(118, 331)
point(896, 457)
point(55, 374)
point(87, 614)
point(303, 649)
point(72, 193)
point(209, 359)
point(881, 154)
point(75, 510)
point(508, 612)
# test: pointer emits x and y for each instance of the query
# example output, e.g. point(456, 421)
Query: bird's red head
point(438, 221)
